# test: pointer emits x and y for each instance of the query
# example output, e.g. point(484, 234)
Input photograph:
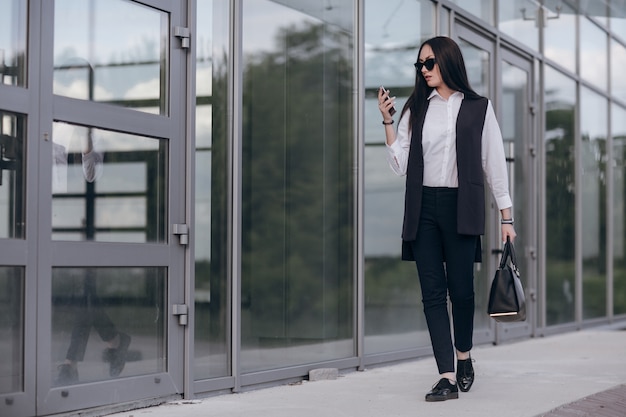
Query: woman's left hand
point(508, 231)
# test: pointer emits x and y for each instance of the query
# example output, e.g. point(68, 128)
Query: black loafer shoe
point(443, 390)
point(68, 374)
point(464, 374)
point(117, 356)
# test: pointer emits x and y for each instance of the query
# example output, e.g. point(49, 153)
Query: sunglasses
point(429, 64)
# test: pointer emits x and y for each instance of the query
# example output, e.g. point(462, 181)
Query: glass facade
point(11, 329)
point(593, 187)
point(90, 310)
point(297, 186)
point(111, 51)
point(618, 62)
point(211, 341)
point(393, 318)
point(12, 175)
point(519, 19)
point(593, 44)
point(618, 133)
point(107, 186)
point(560, 36)
point(560, 191)
point(220, 203)
point(484, 9)
point(13, 29)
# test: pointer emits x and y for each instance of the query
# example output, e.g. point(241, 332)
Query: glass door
point(111, 203)
point(479, 55)
point(512, 101)
point(516, 122)
point(17, 393)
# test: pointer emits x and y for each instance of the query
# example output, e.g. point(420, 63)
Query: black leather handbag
point(507, 302)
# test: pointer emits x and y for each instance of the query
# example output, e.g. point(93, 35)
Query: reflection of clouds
point(561, 56)
point(123, 178)
point(260, 14)
point(122, 212)
point(524, 31)
point(203, 225)
point(618, 63)
point(513, 77)
point(204, 126)
point(79, 89)
point(146, 89)
point(554, 134)
point(392, 39)
point(119, 26)
point(62, 134)
point(204, 81)
point(122, 33)
point(593, 53)
point(593, 114)
point(384, 205)
point(560, 40)
point(390, 69)
point(115, 141)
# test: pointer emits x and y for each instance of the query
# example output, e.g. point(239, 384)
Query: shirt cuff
point(504, 202)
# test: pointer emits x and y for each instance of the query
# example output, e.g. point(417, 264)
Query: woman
point(447, 143)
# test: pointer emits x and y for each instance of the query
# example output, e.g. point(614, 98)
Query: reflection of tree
point(619, 247)
point(298, 184)
point(593, 189)
point(560, 210)
point(560, 183)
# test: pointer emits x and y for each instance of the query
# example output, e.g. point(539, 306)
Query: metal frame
point(43, 110)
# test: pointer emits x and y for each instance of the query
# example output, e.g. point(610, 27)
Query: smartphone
point(392, 110)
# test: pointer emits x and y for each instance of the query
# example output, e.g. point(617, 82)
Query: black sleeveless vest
point(471, 191)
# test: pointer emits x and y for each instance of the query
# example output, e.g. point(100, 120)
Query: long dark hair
point(453, 73)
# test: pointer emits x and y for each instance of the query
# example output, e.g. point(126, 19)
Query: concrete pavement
point(525, 378)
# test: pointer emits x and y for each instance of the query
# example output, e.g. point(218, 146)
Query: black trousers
point(89, 313)
point(445, 265)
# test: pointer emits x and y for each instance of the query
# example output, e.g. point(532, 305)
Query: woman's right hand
point(385, 104)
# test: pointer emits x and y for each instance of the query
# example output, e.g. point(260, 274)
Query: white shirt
point(439, 148)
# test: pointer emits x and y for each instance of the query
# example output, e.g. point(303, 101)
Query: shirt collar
point(455, 94)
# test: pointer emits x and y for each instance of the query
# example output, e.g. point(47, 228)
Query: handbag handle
point(509, 252)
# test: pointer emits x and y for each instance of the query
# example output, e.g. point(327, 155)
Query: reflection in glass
point(298, 188)
point(111, 51)
point(479, 75)
point(618, 63)
point(594, 124)
point(211, 208)
point(560, 35)
point(519, 19)
point(393, 308)
point(12, 175)
point(593, 54)
point(618, 130)
point(11, 329)
point(560, 99)
point(393, 311)
point(617, 18)
point(92, 337)
point(392, 40)
point(13, 15)
point(484, 9)
point(108, 186)
point(477, 63)
point(513, 123)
